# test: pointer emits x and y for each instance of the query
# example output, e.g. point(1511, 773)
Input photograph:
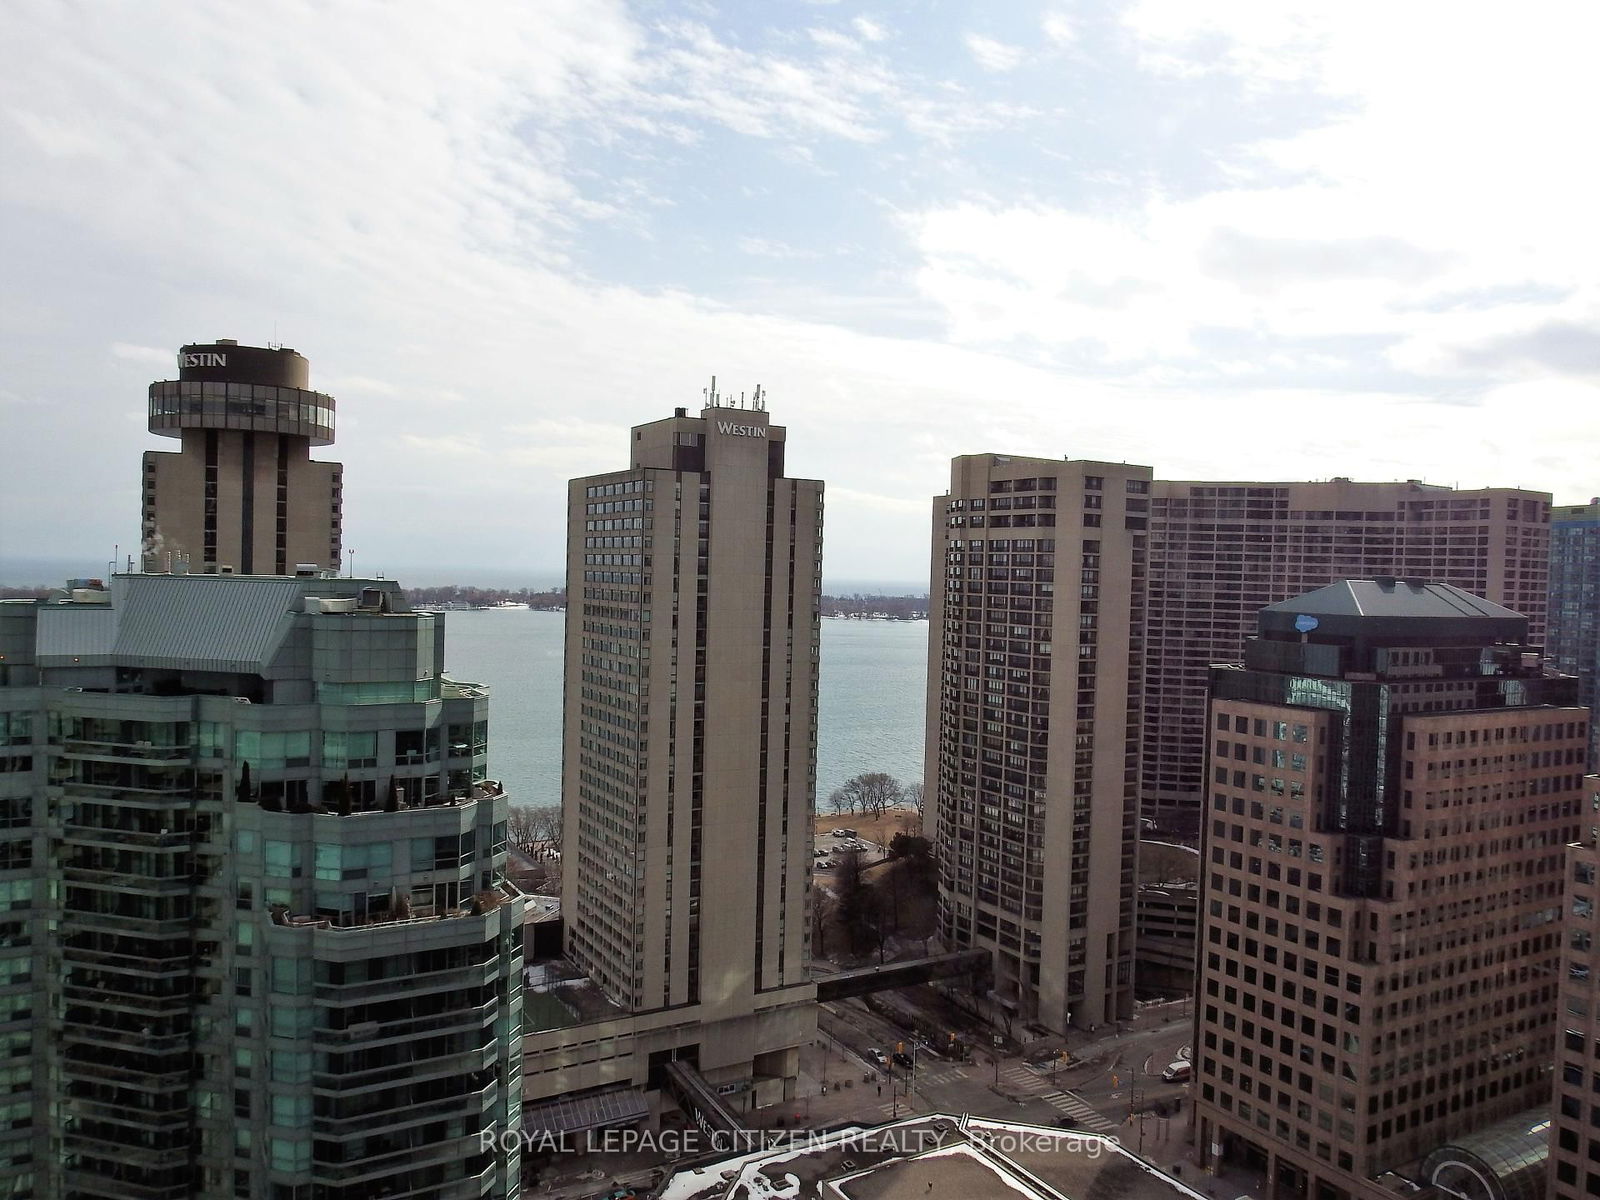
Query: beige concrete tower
point(243, 494)
point(1219, 552)
point(1034, 661)
point(690, 732)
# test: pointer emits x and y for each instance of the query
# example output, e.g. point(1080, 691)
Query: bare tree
point(872, 793)
point(546, 825)
point(519, 826)
point(532, 829)
point(912, 798)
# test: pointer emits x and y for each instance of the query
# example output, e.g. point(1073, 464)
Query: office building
point(1035, 660)
point(1392, 778)
point(689, 755)
point(1575, 1139)
point(1219, 552)
point(1574, 641)
point(242, 494)
point(257, 940)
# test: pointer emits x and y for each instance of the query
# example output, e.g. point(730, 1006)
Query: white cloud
point(425, 206)
point(1059, 28)
point(869, 29)
point(993, 55)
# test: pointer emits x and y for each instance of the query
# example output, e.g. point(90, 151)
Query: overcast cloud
point(1224, 239)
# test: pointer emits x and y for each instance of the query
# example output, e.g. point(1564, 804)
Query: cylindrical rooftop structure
point(253, 389)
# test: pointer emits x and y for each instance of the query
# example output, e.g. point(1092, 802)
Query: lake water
point(870, 698)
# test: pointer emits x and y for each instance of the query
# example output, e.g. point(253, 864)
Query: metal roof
point(204, 622)
point(1384, 597)
point(75, 633)
point(576, 1114)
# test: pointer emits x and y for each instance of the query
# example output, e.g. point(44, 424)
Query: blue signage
point(1305, 623)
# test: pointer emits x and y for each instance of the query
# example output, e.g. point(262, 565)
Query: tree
point(529, 827)
point(851, 898)
point(912, 797)
point(872, 793)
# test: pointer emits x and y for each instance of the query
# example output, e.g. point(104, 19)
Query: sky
point(1232, 240)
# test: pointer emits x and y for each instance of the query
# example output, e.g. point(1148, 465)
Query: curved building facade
point(242, 494)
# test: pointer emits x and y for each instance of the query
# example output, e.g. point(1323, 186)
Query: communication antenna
point(713, 390)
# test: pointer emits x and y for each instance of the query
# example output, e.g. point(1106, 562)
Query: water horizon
point(871, 694)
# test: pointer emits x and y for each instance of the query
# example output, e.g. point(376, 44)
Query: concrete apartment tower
point(1035, 660)
point(1392, 778)
point(1574, 1167)
point(255, 935)
point(242, 495)
point(689, 751)
point(1219, 552)
point(1574, 641)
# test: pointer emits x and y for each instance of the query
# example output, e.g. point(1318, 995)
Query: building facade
point(1575, 1139)
point(1219, 552)
point(1035, 661)
point(1574, 642)
point(242, 494)
point(689, 753)
point(257, 940)
point(1392, 778)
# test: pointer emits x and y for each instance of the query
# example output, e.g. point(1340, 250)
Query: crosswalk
point(938, 1075)
point(1025, 1080)
point(1084, 1116)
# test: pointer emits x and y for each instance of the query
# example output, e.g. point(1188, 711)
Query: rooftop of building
point(1389, 597)
point(196, 623)
point(559, 995)
point(939, 1155)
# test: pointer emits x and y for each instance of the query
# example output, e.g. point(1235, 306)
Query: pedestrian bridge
point(864, 980)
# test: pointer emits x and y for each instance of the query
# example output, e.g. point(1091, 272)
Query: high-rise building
point(1575, 1140)
point(1219, 552)
point(1035, 660)
point(243, 494)
point(689, 752)
point(1574, 641)
point(256, 938)
point(1392, 777)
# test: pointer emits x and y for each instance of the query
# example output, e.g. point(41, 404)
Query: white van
point(1178, 1072)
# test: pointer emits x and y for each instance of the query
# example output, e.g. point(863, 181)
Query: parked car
point(902, 1059)
point(878, 1056)
point(842, 833)
point(826, 864)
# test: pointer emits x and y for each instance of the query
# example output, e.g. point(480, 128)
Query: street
point(1109, 1075)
